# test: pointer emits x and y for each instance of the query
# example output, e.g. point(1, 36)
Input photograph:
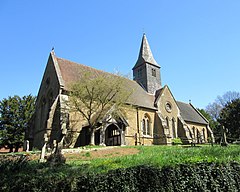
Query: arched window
point(194, 132)
point(167, 131)
point(167, 122)
point(42, 124)
point(204, 138)
point(146, 128)
point(174, 135)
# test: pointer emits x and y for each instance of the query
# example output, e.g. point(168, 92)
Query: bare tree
point(228, 97)
point(214, 109)
point(94, 95)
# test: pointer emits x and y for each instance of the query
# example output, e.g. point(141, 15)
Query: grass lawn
point(154, 155)
point(84, 168)
point(100, 159)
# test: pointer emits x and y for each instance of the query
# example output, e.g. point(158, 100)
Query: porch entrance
point(112, 135)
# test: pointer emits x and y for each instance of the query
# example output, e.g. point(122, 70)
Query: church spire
point(146, 70)
point(145, 54)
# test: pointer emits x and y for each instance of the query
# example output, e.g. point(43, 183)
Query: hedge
point(185, 177)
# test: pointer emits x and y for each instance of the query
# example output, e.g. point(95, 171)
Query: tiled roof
point(190, 114)
point(71, 72)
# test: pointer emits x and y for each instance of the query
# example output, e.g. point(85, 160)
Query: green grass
point(33, 174)
point(157, 156)
point(162, 156)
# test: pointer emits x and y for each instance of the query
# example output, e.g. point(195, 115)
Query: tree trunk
point(10, 148)
point(16, 148)
point(92, 137)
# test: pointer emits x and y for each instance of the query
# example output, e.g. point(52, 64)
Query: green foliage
point(203, 176)
point(87, 154)
point(159, 156)
point(155, 168)
point(56, 159)
point(195, 177)
point(95, 95)
point(177, 141)
point(15, 114)
point(13, 163)
point(230, 118)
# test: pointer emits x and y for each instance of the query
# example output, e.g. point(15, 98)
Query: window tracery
point(146, 129)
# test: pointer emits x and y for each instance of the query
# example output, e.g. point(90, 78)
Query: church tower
point(146, 70)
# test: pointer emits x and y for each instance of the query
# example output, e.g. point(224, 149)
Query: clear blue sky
point(197, 43)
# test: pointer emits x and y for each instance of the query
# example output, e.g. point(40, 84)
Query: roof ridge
point(89, 67)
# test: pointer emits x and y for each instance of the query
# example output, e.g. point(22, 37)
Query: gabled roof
point(190, 113)
point(145, 54)
point(159, 93)
point(72, 72)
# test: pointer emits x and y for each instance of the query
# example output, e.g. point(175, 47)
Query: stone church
point(155, 117)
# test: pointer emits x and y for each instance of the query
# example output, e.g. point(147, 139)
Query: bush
point(56, 159)
point(196, 177)
point(203, 176)
point(13, 163)
point(177, 141)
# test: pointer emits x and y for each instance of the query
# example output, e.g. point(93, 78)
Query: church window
point(146, 129)
point(167, 127)
point(167, 122)
point(203, 132)
point(168, 107)
point(153, 72)
point(194, 132)
point(42, 113)
point(174, 135)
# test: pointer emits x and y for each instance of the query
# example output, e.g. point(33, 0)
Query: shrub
point(56, 159)
point(177, 141)
point(184, 177)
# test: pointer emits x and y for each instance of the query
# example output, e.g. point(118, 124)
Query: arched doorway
point(112, 135)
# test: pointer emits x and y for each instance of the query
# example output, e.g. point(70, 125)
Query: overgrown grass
point(157, 156)
point(160, 156)
point(79, 174)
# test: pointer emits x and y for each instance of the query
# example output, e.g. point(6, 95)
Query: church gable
point(167, 115)
point(166, 103)
point(47, 101)
point(51, 81)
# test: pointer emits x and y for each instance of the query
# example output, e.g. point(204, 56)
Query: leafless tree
point(214, 109)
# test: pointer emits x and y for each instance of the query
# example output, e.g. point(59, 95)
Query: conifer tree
point(15, 114)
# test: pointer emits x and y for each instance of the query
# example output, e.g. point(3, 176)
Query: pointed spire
point(145, 54)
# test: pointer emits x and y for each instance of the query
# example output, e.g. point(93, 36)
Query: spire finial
point(52, 51)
